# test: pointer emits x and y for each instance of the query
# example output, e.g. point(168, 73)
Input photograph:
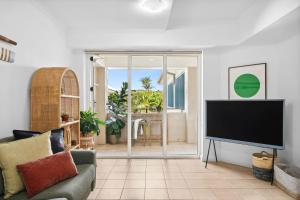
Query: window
point(171, 95)
point(177, 90)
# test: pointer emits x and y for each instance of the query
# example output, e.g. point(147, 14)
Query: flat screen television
point(251, 122)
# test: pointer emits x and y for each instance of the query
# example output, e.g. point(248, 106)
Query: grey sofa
point(76, 188)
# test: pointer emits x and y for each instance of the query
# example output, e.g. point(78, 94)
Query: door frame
point(200, 134)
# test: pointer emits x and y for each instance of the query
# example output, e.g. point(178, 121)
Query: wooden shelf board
point(75, 146)
point(69, 123)
point(69, 96)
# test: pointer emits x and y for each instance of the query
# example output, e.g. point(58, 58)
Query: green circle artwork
point(246, 85)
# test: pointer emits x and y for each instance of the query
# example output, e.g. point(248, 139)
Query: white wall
point(41, 42)
point(283, 70)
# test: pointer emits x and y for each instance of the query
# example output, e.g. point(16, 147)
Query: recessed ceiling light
point(154, 6)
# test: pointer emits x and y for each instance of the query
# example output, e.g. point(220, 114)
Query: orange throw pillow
point(46, 172)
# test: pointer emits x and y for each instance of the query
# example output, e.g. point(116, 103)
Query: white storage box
point(288, 179)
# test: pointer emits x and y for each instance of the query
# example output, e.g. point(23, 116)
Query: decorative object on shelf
point(48, 103)
point(247, 82)
point(7, 40)
point(65, 117)
point(7, 55)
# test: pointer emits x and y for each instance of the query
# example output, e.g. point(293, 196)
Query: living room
point(190, 52)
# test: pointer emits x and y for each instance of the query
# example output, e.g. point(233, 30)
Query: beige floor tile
point(173, 175)
point(155, 176)
point(185, 178)
point(136, 176)
point(176, 183)
point(203, 194)
point(198, 183)
point(138, 162)
point(156, 183)
point(273, 194)
point(119, 169)
point(154, 162)
point(114, 184)
point(100, 175)
point(110, 194)
point(201, 175)
point(117, 175)
point(156, 194)
point(93, 194)
point(133, 194)
point(180, 194)
point(104, 169)
point(226, 194)
point(134, 183)
point(107, 161)
point(250, 194)
point(137, 169)
point(171, 169)
point(122, 162)
point(99, 183)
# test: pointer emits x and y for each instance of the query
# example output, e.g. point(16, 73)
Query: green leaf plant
point(89, 123)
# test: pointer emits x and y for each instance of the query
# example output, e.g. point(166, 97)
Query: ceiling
point(126, 14)
point(185, 24)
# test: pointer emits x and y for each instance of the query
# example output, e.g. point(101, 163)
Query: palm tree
point(146, 82)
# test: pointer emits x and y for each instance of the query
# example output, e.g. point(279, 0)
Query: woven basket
point(262, 160)
point(263, 174)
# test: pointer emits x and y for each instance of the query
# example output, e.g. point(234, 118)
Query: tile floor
point(178, 179)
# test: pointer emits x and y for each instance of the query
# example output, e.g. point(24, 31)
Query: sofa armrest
point(84, 157)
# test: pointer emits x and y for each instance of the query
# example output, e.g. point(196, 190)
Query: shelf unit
point(55, 91)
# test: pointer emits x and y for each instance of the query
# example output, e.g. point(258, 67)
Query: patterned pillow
point(19, 152)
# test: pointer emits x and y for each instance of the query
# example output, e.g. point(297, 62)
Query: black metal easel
point(274, 156)
point(209, 150)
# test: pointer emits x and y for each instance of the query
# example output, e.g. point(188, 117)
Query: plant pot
point(87, 141)
point(158, 108)
point(65, 118)
point(113, 139)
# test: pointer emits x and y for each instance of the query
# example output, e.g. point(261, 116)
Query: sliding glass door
point(147, 105)
point(151, 103)
point(182, 104)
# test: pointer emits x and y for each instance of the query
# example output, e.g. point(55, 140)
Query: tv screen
point(253, 122)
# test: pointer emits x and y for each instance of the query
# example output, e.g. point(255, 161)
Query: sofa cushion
point(46, 172)
point(57, 137)
point(22, 134)
point(76, 188)
point(19, 152)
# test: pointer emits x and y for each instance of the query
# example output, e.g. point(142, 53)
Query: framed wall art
point(247, 82)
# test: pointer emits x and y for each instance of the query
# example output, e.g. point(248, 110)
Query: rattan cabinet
point(54, 92)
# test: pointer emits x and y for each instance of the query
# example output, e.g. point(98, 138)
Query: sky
point(117, 76)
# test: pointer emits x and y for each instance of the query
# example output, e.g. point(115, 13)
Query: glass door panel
point(111, 101)
point(182, 105)
point(147, 105)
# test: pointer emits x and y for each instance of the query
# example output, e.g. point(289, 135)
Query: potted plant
point(117, 113)
point(89, 126)
point(65, 117)
point(89, 123)
point(113, 129)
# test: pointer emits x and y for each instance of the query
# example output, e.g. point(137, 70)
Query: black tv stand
point(274, 156)
point(209, 150)
point(207, 156)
